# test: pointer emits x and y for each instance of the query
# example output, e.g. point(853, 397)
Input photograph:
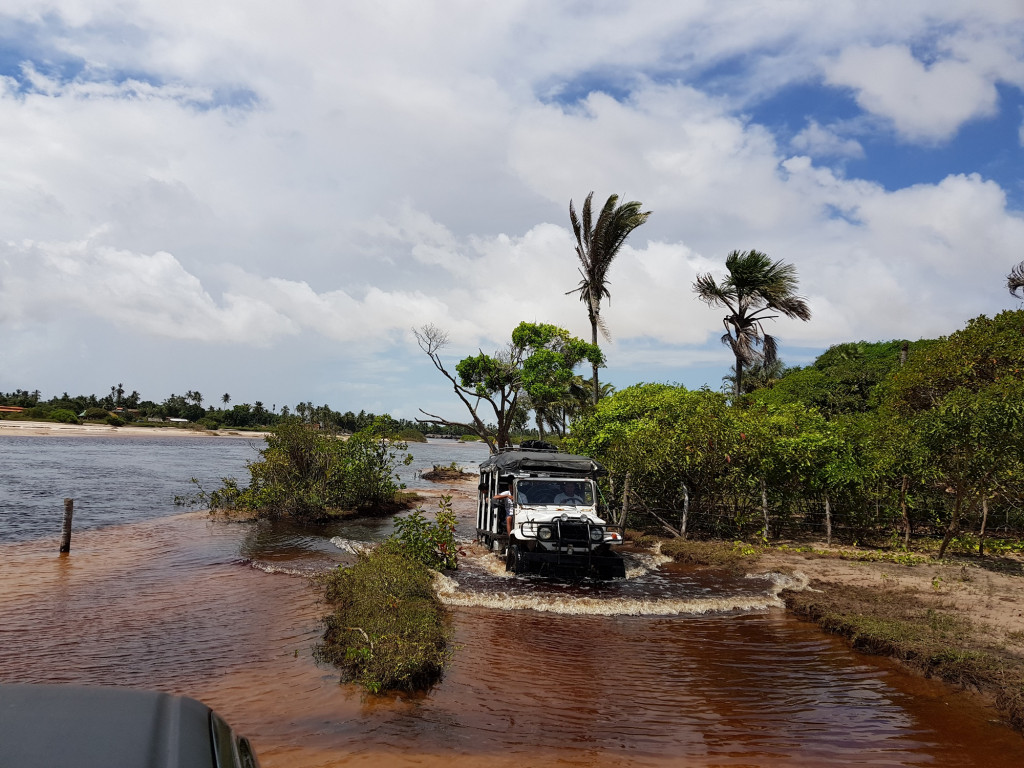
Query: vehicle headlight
point(565, 517)
point(584, 518)
point(544, 533)
point(596, 534)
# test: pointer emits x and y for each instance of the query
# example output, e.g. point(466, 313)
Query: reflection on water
point(674, 666)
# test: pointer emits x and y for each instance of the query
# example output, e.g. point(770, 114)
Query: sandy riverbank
point(51, 429)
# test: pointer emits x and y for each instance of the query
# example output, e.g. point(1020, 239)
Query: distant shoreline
point(10, 428)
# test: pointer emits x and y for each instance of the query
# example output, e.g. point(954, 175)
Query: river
point(675, 666)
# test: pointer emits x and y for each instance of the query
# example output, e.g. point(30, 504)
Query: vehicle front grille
point(574, 533)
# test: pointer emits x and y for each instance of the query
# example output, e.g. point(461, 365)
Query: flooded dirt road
point(226, 613)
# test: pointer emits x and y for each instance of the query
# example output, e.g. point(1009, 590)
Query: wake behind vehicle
point(546, 517)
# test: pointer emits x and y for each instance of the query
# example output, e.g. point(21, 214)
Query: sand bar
point(10, 428)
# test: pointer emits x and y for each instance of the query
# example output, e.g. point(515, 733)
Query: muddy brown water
point(673, 668)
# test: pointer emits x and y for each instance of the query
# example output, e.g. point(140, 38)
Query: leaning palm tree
point(597, 244)
point(755, 285)
point(1015, 280)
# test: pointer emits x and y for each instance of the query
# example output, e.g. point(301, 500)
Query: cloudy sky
point(263, 198)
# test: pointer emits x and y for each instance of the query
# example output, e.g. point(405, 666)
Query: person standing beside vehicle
point(506, 509)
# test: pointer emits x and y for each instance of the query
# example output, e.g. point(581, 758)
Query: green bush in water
point(306, 473)
point(387, 630)
point(432, 544)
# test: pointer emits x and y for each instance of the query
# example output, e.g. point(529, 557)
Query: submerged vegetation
point(388, 630)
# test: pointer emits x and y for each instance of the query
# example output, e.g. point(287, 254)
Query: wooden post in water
point(65, 534)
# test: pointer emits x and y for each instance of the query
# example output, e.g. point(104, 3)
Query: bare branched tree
point(499, 387)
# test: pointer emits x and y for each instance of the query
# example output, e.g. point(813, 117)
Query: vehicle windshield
point(579, 493)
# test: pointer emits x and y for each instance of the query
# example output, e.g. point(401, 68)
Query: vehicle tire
point(514, 559)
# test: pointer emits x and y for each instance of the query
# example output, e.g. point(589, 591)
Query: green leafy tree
point(538, 364)
point(754, 287)
point(597, 244)
point(963, 399)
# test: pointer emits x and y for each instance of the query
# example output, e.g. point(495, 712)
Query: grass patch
point(387, 630)
point(718, 554)
point(897, 623)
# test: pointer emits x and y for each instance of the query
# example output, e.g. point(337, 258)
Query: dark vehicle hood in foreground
point(85, 726)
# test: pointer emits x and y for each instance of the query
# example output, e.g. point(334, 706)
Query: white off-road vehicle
point(539, 507)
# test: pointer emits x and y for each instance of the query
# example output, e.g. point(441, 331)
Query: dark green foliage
point(844, 379)
point(387, 630)
point(115, 421)
point(64, 416)
point(96, 414)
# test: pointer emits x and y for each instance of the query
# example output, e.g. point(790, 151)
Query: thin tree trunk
point(686, 511)
point(984, 519)
point(625, 504)
point(903, 511)
point(739, 376)
point(764, 509)
point(593, 338)
point(828, 522)
point(954, 524)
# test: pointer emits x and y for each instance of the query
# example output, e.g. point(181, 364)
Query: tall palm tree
point(755, 285)
point(597, 244)
point(1015, 280)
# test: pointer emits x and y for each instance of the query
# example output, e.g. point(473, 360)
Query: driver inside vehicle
point(569, 495)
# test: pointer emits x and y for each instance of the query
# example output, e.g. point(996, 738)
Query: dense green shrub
point(387, 630)
point(432, 544)
point(306, 473)
point(115, 421)
point(64, 416)
point(96, 414)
